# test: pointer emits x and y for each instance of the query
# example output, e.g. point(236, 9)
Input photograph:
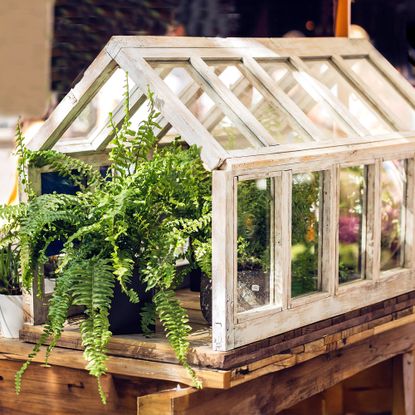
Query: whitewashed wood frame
point(333, 299)
point(139, 56)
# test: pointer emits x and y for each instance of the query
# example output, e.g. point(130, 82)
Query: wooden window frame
point(231, 329)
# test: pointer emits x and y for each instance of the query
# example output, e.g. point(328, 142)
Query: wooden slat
point(330, 219)
point(373, 222)
point(256, 47)
point(74, 102)
point(283, 237)
point(171, 107)
point(293, 157)
point(284, 102)
point(366, 91)
point(16, 350)
point(223, 243)
point(344, 114)
point(409, 247)
point(408, 378)
point(231, 106)
point(215, 114)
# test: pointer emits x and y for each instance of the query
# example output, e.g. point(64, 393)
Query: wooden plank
point(74, 102)
point(16, 350)
point(289, 157)
point(223, 257)
point(408, 378)
point(309, 84)
point(272, 393)
point(63, 391)
point(283, 237)
point(350, 297)
point(231, 106)
point(160, 402)
point(172, 108)
point(330, 219)
point(373, 221)
point(157, 46)
point(284, 102)
point(336, 332)
point(398, 404)
point(409, 206)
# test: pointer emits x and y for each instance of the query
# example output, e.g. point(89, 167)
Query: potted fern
point(11, 307)
point(136, 220)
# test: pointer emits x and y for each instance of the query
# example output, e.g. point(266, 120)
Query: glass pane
point(305, 233)
point(254, 242)
point(325, 73)
point(95, 114)
point(319, 113)
point(274, 119)
point(180, 81)
point(396, 104)
point(393, 183)
point(351, 207)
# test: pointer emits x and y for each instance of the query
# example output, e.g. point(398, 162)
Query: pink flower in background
point(349, 229)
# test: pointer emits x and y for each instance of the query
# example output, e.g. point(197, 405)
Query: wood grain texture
point(274, 392)
point(64, 391)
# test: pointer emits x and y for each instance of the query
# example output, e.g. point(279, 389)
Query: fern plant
point(140, 216)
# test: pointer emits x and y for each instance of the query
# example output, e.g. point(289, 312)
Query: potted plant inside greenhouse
point(11, 308)
point(269, 166)
point(121, 232)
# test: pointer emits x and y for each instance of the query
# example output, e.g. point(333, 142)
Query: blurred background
point(45, 45)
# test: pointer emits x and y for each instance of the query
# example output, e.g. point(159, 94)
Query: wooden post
point(343, 18)
point(404, 384)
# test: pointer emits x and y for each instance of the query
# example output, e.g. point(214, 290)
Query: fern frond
point(175, 321)
point(80, 173)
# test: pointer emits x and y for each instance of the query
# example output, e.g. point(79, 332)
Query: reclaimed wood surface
point(262, 357)
point(275, 392)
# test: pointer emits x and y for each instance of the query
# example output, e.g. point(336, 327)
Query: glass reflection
point(325, 73)
point(202, 106)
point(271, 116)
point(293, 84)
point(306, 205)
point(254, 242)
point(393, 179)
point(396, 104)
point(351, 206)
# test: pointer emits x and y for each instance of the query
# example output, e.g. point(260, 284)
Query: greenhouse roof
point(237, 97)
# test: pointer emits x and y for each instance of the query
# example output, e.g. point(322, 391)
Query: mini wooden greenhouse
point(311, 145)
point(316, 133)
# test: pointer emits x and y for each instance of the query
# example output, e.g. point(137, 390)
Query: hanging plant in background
point(139, 217)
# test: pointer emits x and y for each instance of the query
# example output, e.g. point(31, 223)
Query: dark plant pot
point(195, 279)
point(206, 297)
point(124, 316)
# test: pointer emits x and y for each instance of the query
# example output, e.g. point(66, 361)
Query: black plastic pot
point(124, 316)
point(195, 279)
